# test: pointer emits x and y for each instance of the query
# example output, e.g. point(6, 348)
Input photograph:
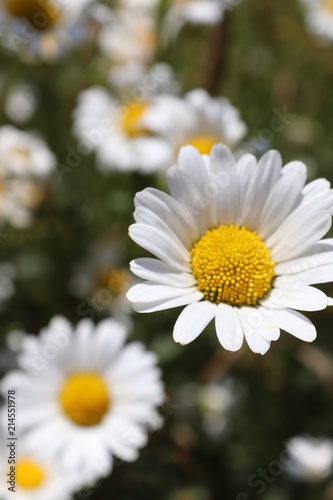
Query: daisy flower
point(118, 133)
point(41, 29)
point(319, 18)
point(21, 102)
point(310, 458)
point(19, 198)
point(24, 153)
point(86, 395)
point(202, 12)
point(197, 119)
point(238, 242)
point(129, 37)
point(33, 478)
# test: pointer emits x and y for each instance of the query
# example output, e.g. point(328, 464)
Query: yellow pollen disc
point(114, 279)
point(29, 474)
point(84, 398)
point(203, 143)
point(42, 14)
point(328, 4)
point(232, 264)
point(131, 119)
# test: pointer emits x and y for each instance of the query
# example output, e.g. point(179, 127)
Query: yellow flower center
point(29, 474)
point(232, 264)
point(115, 279)
point(203, 143)
point(42, 14)
point(328, 4)
point(131, 119)
point(85, 399)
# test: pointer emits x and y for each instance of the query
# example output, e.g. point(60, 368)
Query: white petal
point(321, 274)
point(304, 298)
point(295, 323)
point(149, 292)
point(160, 305)
point(282, 198)
point(297, 234)
point(161, 245)
point(262, 181)
point(223, 165)
point(321, 253)
point(180, 221)
point(192, 321)
point(255, 341)
point(182, 189)
point(159, 272)
point(228, 328)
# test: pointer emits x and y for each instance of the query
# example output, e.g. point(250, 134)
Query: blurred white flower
point(33, 478)
point(180, 12)
point(319, 18)
point(19, 197)
point(311, 459)
point(117, 133)
point(239, 243)
point(129, 39)
point(215, 401)
point(41, 29)
point(21, 103)
point(82, 396)
point(103, 280)
point(24, 154)
point(197, 119)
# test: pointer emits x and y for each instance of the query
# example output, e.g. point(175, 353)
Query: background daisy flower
point(33, 478)
point(86, 395)
point(236, 242)
point(197, 119)
point(319, 18)
point(310, 458)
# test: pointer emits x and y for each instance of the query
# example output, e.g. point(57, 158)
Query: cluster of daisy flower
point(237, 241)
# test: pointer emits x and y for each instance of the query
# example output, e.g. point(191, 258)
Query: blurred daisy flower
point(118, 133)
point(24, 154)
point(41, 29)
point(319, 17)
point(310, 458)
point(33, 478)
point(129, 38)
point(238, 242)
point(21, 102)
point(204, 12)
point(86, 395)
point(103, 279)
point(197, 119)
point(19, 198)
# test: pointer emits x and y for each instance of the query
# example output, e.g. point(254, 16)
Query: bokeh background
point(228, 415)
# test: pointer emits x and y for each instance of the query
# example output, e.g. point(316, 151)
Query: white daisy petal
point(228, 327)
point(255, 341)
point(294, 237)
point(158, 272)
point(172, 212)
point(150, 292)
point(282, 197)
point(192, 321)
point(262, 181)
point(295, 323)
point(160, 305)
point(305, 298)
point(320, 254)
point(161, 245)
